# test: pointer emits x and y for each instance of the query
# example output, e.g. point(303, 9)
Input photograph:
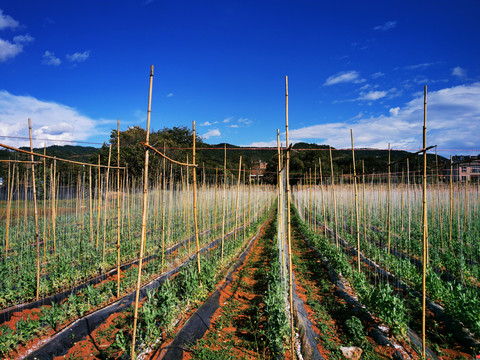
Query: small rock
point(352, 352)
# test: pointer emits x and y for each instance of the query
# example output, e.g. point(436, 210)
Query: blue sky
point(74, 67)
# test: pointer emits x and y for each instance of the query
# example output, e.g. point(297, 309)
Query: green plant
point(355, 329)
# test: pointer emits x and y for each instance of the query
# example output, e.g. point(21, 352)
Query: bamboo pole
point(9, 204)
point(450, 210)
point(105, 206)
point(46, 156)
point(99, 202)
point(144, 221)
point(18, 201)
point(237, 201)
point(118, 209)
point(195, 206)
point(280, 206)
point(54, 208)
point(224, 193)
point(215, 201)
point(44, 204)
point(289, 234)
point(364, 204)
point(425, 230)
point(357, 229)
point(323, 197)
point(37, 293)
point(163, 206)
point(188, 212)
point(334, 199)
point(90, 203)
point(25, 207)
point(389, 205)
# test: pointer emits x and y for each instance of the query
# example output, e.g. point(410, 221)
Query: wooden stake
point(388, 203)
point(99, 191)
point(105, 206)
point(334, 199)
point(44, 204)
point(163, 206)
point(195, 206)
point(9, 202)
point(450, 210)
point(425, 230)
point(323, 197)
point(144, 221)
point(289, 234)
point(118, 209)
point(237, 201)
point(37, 293)
point(224, 193)
point(357, 229)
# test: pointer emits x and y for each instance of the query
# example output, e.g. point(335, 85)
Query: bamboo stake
point(99, 201)
point(144, 221)
point(9, 202)
point(37, 293)
point(163, 207)
point(425, 231)
point(54, 207)
point(188, 212)
point(224, 193)
point(237, 201)
point(195, 206)
point(323, 197)
point(90, 203)
point(364, 204)
point(357, 230)
point(215, 201)
point(118, 209)
point(289, 234)
point(280, 205)
point(334, 199)
point(105, 206)
point(450, 210)
point(388, 202)
point(44, 204)
point(18, 201)
point(25, 190)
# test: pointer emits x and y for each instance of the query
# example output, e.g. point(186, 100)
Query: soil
point(239, 323)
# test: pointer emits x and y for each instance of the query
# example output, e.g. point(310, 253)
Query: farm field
point(157, 263)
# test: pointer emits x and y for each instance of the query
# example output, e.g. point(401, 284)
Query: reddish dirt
point(309, 280)
point(243, 295)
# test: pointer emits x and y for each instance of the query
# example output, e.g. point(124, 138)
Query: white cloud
point(169, 95)
point(344, 77)
point(272, 143)
point(234, 126)
point(458, 71)
point(372, 95)
point(245, 121)
point(378, 74)
point(454, 123)
point(387, 26)
point(211, 133)
point(49, 58)
point(227, 120)
point(421, 66)
point(50, 120)
point(23, 39)
point(9, 50)
point(6, 21)
point(206, 123)
point(394, 111)
point(79, 56)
